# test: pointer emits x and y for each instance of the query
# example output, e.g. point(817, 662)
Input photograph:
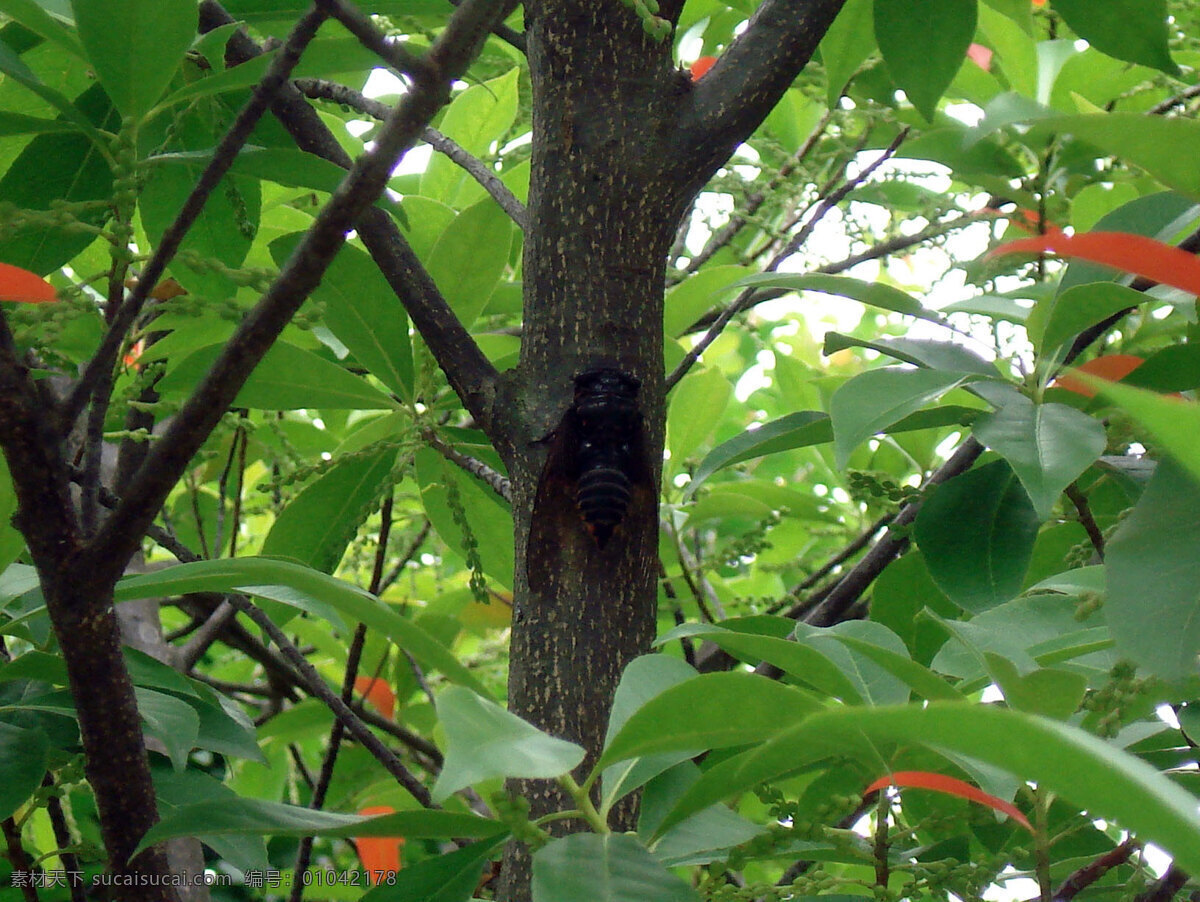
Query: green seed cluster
point(1112, 702)
point(866, 487)
point(658, 28)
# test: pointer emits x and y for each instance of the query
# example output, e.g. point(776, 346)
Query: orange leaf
point(701, 66)
point(920, 779)
point(1111, 367)
point(1039, 2)
point(378, 693)
point(1135, 254)
point(21, 285)
point(981, 56)
point(131, 356)
point(380, 855)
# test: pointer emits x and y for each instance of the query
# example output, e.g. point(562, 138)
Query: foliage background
point(912, 506)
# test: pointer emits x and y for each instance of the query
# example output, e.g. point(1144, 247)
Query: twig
point(208, 633)
point(398, 567)
point(316, 685)
point(889, 547)
point(451, 54)
point(1165, 888)
point(858, 544)
point(700, 588)
point(19, 859)
point(880, 845)
point(1094, 870)
point(689, 647)
point(392, 52)
point(223, 156)
point(497, 482)
point(62, 836)
point(747, 297)
point(1178, 100)
point(320, 89)
point(1076, 496)
point(502, 31)
point(726, 233)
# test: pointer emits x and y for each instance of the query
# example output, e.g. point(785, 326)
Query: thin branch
point(468, 370)
point(1166, 887)
point(497, 482)
point(725, 106)
point(19, 859)
point(450, 55)
point(745, 300)
point(1094, 870)
point(223, 156)
point(317, 686)
point(503, 32)
point(1076, 496)
point(320, 89)
point(1178, 100)
point(726, 233)
point(62, 836)
point(890, 546)
point(413, 548)
point(391, 52)
point(204, 637)
point(858, 544)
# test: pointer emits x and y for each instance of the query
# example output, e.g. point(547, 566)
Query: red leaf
point(21, 285)
point(981, 56)
point(920, 779)
point(380, 855)
point(1135, 254)
point(701, 66)
point(379, 694)
point(1112, 367)
point(1039, 2)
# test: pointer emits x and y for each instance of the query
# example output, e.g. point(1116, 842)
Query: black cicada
point(604, 424)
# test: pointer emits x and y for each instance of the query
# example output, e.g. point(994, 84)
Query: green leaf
point(924, 42)
point(611, 868)
point(1047, 445)
point(288, 378)
point(919, 678)
point(446, 878)
point(225, 728)
point(1070, 312)
point(1091, 773)
point(12, 543)
point(688, 301)
point(872, 401)
point(470, 257)
point(488, 517)
point(936, 355)
point(706, 836)
point(643, 679)
point(1172, 421)
point(257, 817)
point(135, 46)
point(876, 294)
point(1153, 569)
point(23, 761)
point(875, 684)
point(1130, 30)
point(475, 118)
point(696, 407)
point(796, 430)
point(31, 14)
point(241, 574)
point(750, 639)
point(977, 532)
point(847, 43)
point(484, 741)
point(321, 521)
point(737, 709)
point(225, 228)
point(171, 721)
point(58, 167)
point(14, 67)
point(363, 312)
point(1048, 691)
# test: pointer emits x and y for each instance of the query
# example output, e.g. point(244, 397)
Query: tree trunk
point(600, 228)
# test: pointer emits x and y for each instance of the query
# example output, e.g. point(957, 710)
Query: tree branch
point(746, 83)
point(497, 482)
point(223, 156)
point(449, 57)
point(315, 684)
point(321, 89)
point(468, 370)
point(391, 52)
point(1094, 870)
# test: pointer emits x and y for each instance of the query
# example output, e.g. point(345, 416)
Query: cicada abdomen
point(605, 427)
